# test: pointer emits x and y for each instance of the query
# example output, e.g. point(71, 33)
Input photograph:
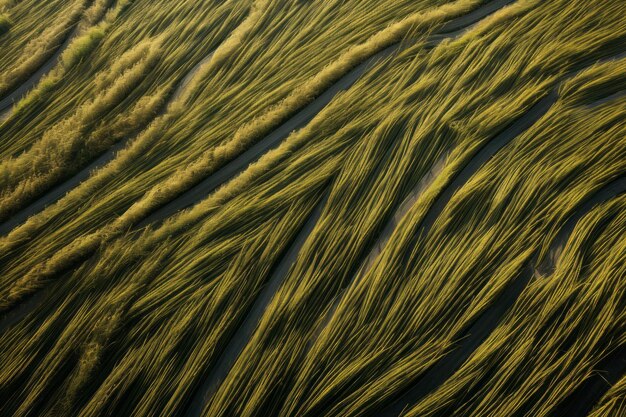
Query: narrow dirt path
point(490, 318)
point(243, 334)
point(516, 128)
point(245, 331)
point(269, 142)
point(195, 194)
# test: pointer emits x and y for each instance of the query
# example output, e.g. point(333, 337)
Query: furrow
point(548, 265)
point(20, 312)
point(462, 22)
point(508, 134)
point(582, 400)
point(6, 104)
point(243, 334)
point(608, 99)
point(240, 163)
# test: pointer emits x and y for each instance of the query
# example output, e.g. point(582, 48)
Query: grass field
point(313, 208)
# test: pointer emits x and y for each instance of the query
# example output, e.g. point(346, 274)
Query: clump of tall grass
point(82, 46)
point(575, 313)
point(97, 20)
point(152, 199)
point(5, 5)
point(85, 40)
point(467, 244)
point(142, 146)
point(229, 294)
point(127, 60)
point(38, 50)
point(247, 134)
point(136, 328)
point(597, 82)
point(344, 390)
point(84, 346)
point(96, 12)
point(126, 124)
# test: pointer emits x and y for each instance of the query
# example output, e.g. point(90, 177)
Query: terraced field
point(313, 208)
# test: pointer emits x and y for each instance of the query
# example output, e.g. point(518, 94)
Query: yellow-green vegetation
point(614, 402)
point(499, 288)
point(535, 341)
point(39, 28)
point(67, 142)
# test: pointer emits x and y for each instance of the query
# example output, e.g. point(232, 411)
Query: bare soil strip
point(243, 334)
point(269, 142)
point(245, 331)
point(450, 30)
point(482, 156)
point(490, 318)
point(584, 398)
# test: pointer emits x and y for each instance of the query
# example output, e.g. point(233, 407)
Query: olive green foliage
point(395, 288)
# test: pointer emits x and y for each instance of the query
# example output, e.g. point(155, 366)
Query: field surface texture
point(313, 208)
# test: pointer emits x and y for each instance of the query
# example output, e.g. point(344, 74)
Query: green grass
point(132, 321)
point(613, 401)
point(36, 33)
